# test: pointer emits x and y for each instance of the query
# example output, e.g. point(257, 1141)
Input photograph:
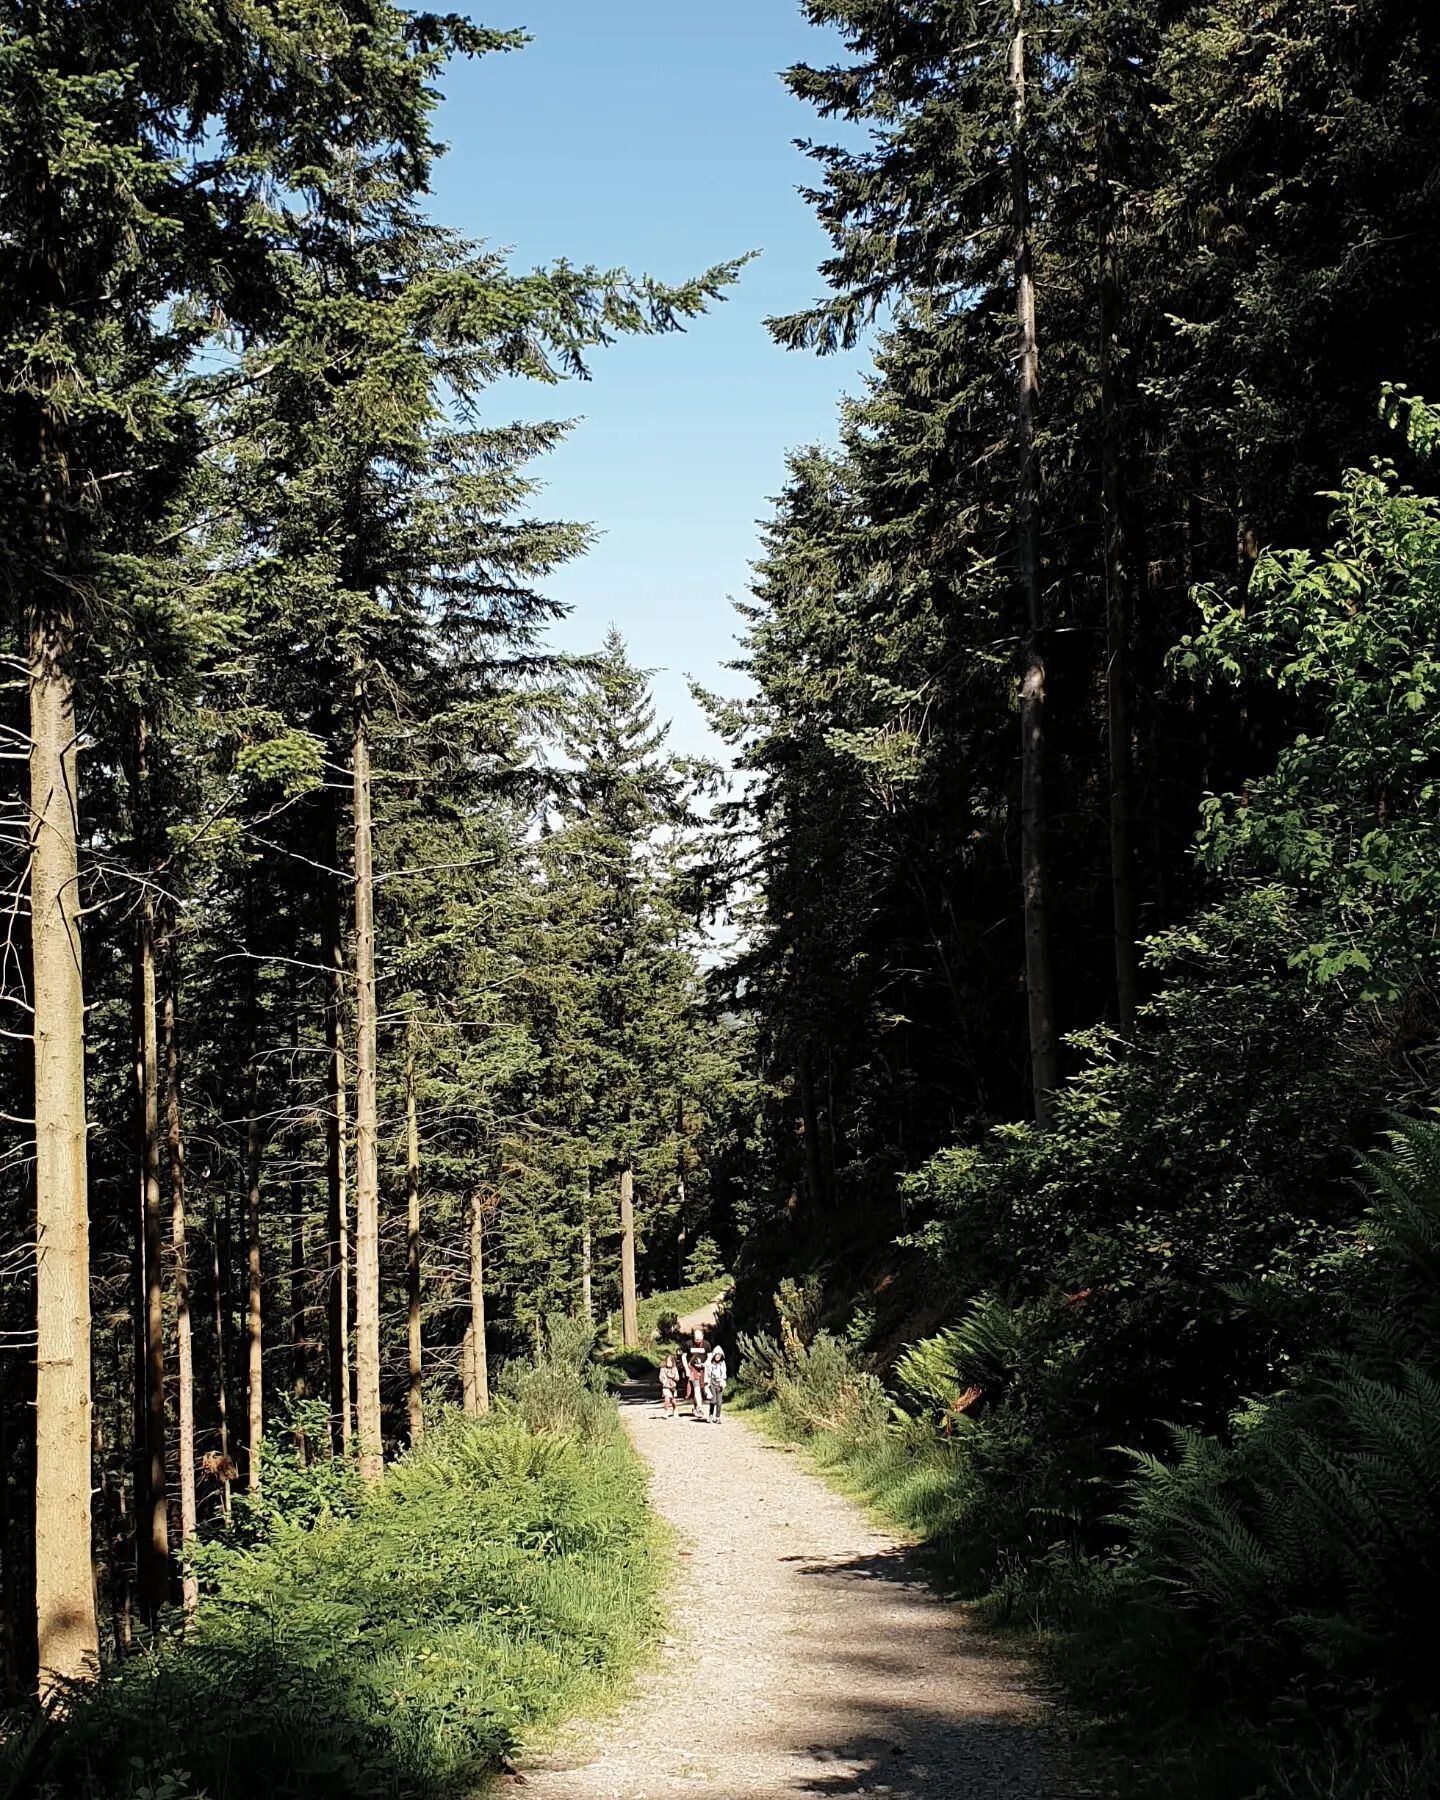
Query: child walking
point(715, 1377)
point(669, 1384)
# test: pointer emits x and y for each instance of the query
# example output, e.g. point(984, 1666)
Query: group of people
point(702, 1373)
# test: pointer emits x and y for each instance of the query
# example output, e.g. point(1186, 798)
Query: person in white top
point(715, 1378)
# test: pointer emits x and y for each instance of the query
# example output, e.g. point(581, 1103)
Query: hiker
point(697, 1354)
point(669, 1384)
point(715, 1378)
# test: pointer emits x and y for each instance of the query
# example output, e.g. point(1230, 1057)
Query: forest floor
point(806, 1655)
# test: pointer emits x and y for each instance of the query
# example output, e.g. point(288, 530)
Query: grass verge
point(654, 1307)
point(501, 1579)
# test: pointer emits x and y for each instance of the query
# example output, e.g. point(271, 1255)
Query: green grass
point(500, 1580)
point(677, 1300)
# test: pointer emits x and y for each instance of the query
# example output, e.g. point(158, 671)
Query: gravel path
point(807, 1656)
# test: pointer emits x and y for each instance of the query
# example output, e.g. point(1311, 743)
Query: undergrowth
point(502, 1577)
point(1246, 1616)
point(656, 1310)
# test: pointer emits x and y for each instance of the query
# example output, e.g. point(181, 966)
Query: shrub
point(563, 1389)
point(798, 1304)
point(498, 1578)
point(1297, 1565)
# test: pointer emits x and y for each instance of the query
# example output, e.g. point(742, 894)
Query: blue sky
point(657, 135)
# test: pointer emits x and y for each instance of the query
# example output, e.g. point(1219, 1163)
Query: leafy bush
point(799, 1304)
point(819, 1388)
point(970, 1365)
point(497, 1579)
point(563, 1389)
point(816, 1386)
point(1299, 1563)
point(299, 1488)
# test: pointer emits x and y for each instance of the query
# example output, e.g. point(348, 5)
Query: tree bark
point(254, 1304)
point(155, 1523)
point(337, 1310)
point(1117, 623)
point(479, 1352)
point(414, 1397)
point(469, 1401)
point(184, 1346)
point(219, 1267)
point(368, 1422)
point(1039, 978)
point(68, 1631)
point(587, 1265)
point(629, 1310)
point(299, 1344)
point(122, 1537)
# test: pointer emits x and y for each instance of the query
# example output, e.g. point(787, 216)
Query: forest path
point(806, 1656)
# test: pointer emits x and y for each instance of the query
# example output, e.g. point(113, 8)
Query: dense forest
point(1070, 1053)
point(354, 929)
point(1090, 851)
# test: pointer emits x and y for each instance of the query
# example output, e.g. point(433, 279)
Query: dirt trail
point(806, 1655)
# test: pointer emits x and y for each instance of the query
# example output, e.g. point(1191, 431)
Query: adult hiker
point(697, 1356)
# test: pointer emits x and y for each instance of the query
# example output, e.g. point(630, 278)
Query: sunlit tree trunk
point(1039, 978)
point(299, 1345)
point(184, 1346)
point(414, 1396)
point(629, 1309)
point(337, 1308)
point(368, 1425)
point(68, 1632)
point(155, 1524)
point(469, 1399)
point(254, 1299)
point(479, 1353)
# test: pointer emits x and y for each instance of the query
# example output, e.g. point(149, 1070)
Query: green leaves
point(1347, 814)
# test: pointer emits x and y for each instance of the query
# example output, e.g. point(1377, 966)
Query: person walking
point(669, 1384)
point(697, 1356)
point(715, 1378)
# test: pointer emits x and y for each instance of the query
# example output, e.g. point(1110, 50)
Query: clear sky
point(657, 135)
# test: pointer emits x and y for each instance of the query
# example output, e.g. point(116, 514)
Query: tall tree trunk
point(139, 1359)
point(337, 1309)
point(184, 1346)
point(587, 1267)
point(299, 1345)
point(1117, 621)
point(68, 1632)
point(479, 1352)
point(629, 1310)
point(414, 1397)
point(122, 1536)
point(155, 1523)
point(469, 1398)
point(254, 1299)
point(368, 1423)
point(1039, 978)
point(219, 1270)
